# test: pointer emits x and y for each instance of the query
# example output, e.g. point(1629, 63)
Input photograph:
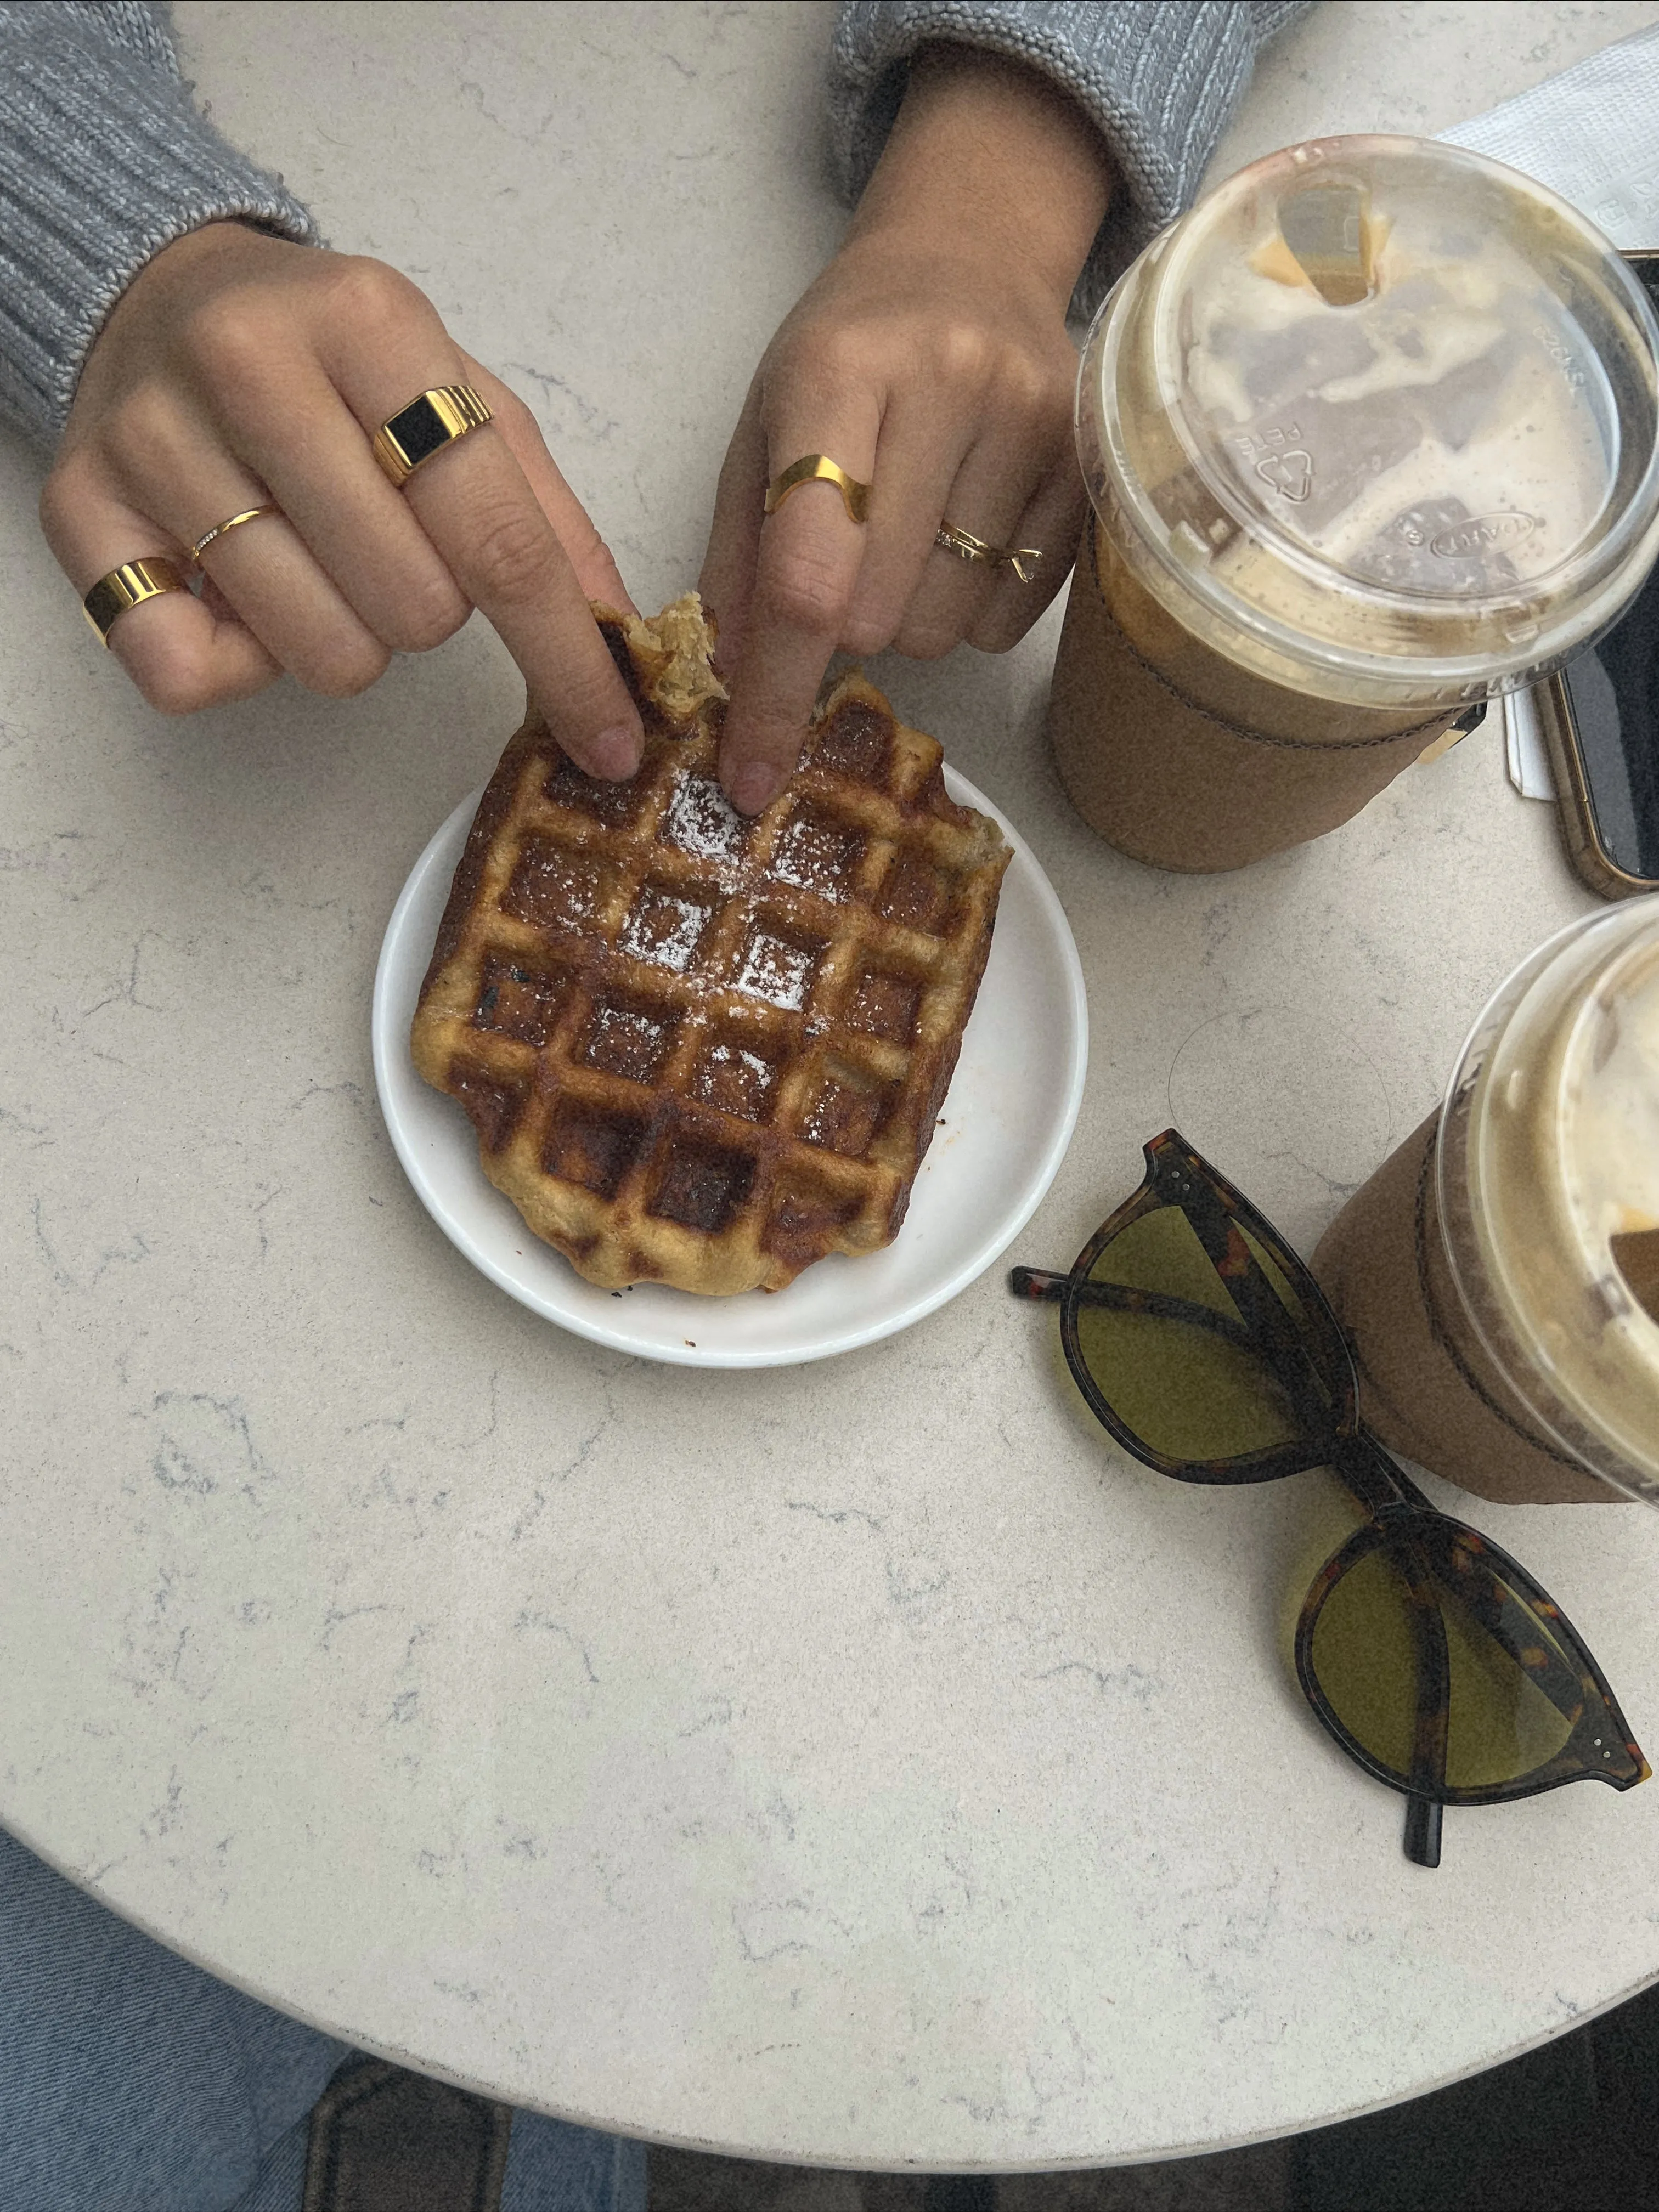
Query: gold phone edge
point(1589, 858)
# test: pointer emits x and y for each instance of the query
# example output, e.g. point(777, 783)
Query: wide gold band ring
point(130, 586)
point(1023, 560)
point(230, 522)
point(407, 441)
point(813, 468)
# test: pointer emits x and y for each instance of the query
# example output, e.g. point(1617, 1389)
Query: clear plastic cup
point(1499, 1276)
point(1369, 435)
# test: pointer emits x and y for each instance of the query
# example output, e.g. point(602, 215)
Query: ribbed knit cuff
point(1159, 78)
point(103, 161)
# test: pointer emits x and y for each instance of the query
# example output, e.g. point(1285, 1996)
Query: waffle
point(698, 1049)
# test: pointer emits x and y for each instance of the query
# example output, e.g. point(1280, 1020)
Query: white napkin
point(1592, 135)
point(1523, 746)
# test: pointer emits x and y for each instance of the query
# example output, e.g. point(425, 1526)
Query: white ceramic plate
point(1007, 1121)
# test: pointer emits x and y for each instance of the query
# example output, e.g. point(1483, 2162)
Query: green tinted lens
point(1505, 1721)
point(1186, 1379)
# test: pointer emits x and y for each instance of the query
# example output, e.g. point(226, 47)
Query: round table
point(862, 1762)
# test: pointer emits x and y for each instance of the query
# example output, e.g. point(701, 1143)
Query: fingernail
point(753, 786)
point(614, 754)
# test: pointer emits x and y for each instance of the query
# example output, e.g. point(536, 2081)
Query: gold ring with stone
point(130, 586)
point(230, 522)
point(815, 467)
point(408, 440)
point(1023, 560)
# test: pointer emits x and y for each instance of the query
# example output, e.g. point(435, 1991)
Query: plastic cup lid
point(1384, 400)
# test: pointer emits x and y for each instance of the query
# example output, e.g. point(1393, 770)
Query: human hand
point(931, 361)
point(238, 369)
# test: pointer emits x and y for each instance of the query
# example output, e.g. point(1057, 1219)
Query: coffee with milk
point(1499, 1276)
point(1368, 435)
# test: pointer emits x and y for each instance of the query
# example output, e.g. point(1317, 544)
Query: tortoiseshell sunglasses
point(1201, 1341)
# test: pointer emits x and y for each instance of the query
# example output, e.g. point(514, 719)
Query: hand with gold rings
point(243, 378)
point(929, 367)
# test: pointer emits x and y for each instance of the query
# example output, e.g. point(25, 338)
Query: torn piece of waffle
point(698, 1049)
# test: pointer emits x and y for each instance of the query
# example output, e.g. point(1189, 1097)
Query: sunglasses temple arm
point(1040, 1283)
point(1432, 1725)
point(1423, 1816)
point(1366, 1467)
point(1423, 1812)
point(1257, 1302)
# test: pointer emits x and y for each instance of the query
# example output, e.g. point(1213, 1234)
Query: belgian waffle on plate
point(698, 1049)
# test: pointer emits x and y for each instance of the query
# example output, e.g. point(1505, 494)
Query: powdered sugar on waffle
point(775, 970)
point(666, 933)
point(703, 821)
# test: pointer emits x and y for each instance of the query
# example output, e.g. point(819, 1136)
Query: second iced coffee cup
point(1369, 435)
point(1499, 1276)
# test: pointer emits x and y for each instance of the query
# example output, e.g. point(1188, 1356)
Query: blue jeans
point(132, 2081)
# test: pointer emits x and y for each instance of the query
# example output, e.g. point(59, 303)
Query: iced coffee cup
point(1498, 1275)
point(1369, 435)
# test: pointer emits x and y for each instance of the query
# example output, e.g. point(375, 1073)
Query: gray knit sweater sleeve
point(1159, 77)
point(103, 161)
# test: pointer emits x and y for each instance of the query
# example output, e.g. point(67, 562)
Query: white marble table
point(858, 1763)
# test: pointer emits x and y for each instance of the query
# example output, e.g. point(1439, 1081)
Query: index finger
point(806, 568)
point(586, 551)
point(475, 503)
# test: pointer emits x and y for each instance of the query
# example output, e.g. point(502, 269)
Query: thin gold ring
point(813, 468)
point(1023, 560)
point(130, 586)
point(407, 441)
point(231, 522)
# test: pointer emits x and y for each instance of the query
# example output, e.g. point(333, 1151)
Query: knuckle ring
point(1023, 560)
point(230, 522)
point(130, 586)
point(409, 439)
point(814, 467)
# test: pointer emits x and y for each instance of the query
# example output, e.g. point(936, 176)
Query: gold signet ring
point(1023, 560)
point(130, 586)
point(855, 496)
point(409, 439)
point(230, 522)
